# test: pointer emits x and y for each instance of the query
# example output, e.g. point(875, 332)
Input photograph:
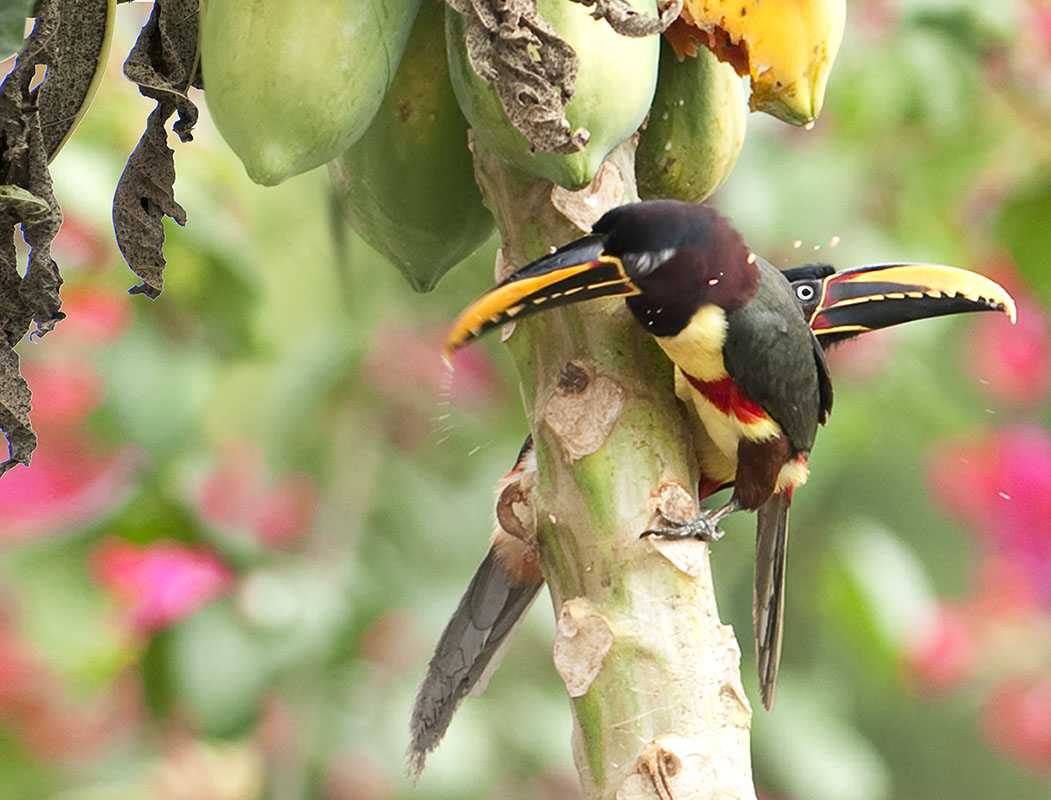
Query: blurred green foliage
point(280, 414)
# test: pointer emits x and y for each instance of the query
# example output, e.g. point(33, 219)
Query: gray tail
point(470, 648)
point(768, 598)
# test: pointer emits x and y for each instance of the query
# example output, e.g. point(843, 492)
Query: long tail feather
point(768, 598)
point(470, 648)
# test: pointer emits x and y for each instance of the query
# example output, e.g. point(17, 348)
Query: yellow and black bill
point(846, 303)
point(579, 271)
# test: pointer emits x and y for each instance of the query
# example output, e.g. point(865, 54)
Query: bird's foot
point(702, 526)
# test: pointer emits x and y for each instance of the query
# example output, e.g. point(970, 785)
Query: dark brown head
point(680, 256)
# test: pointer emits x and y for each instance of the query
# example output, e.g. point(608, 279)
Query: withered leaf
point(76, 57)
point(143, 198)
point(626, 20)
point(532, 69)
point(15, 399)
point(165, 60)
point(165, 63)
point(23, 204)
point(29, 203)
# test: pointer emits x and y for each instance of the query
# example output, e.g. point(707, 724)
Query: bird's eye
point(805, 292)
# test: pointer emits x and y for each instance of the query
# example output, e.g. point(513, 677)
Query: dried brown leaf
point(165, 60)
point(532, 69)
point(143, 198)
point(15, 399)
point(76, 58)
point(627, 21)
point(165, 63)
point(30, 203)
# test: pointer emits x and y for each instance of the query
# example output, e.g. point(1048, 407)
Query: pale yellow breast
point(698, 348)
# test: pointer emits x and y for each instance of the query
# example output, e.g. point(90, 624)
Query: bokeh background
point(257, 499)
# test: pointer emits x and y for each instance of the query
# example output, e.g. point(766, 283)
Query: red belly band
point(726, 396)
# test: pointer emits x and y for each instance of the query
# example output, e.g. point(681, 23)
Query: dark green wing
point(774, 357)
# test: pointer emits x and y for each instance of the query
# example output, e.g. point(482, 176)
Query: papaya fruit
point(696, 128)
point(292, 85)
point(613, 91)
point(786, 46)
point(407, 185)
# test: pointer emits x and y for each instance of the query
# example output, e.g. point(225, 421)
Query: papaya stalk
point(652, 675)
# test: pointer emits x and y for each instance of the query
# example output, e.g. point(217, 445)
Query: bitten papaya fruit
point(696, 128)
point(291, 85)
point(613, 91)
point(786, 46)
point(407, 185)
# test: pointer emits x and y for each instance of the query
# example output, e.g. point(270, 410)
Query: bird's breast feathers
point(727, 414)
point(698, 348)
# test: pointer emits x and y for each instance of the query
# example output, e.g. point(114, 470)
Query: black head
point(680, 256)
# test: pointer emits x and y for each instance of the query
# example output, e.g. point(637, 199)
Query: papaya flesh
point(291, 85)
point(407, 185)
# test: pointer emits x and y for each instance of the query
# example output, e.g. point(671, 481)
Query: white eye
point(805, 292)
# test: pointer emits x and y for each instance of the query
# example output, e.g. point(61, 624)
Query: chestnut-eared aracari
point(718, 310)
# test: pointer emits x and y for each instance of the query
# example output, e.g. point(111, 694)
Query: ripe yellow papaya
point(696, 128)
point(407, 185)
point(291, 85)
point(613, 91)
point(786, 46)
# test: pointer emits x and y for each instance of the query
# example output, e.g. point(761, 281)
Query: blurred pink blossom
point(863, 358)
point(1038, 23)
point(1004, 589)
point(404, 363)
point(71, 482)
point(63, 394)
point(81, 243)
point(941, 655)
point(1001, 485)
point(227, 495)
point(1017, 720)
point(95, 315)
point(37, 708)
point(1012, 363)
point(236, 495)
point(160, 583)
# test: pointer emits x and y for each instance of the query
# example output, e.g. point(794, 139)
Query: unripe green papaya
point(695, 131)
point(292, 85)
point(614, 88)
point(407, 186)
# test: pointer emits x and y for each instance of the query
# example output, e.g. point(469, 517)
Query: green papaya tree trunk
point(652, 675)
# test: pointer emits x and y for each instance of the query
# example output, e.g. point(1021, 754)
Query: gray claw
point(699, 527)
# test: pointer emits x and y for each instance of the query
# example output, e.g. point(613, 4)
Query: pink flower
point(44, 715)
point(942, 654)
point(404, 363)
point(1012, 363)
point(1001, 485)
point(286, 510)
point(863, 358)
point(70, 483)
point(1017, 720)
point(227, 495)
point(160, 583)
point(237, 496)
point(82, 243)
point(95, 315)
point(1004, 589)
point(63, 394)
